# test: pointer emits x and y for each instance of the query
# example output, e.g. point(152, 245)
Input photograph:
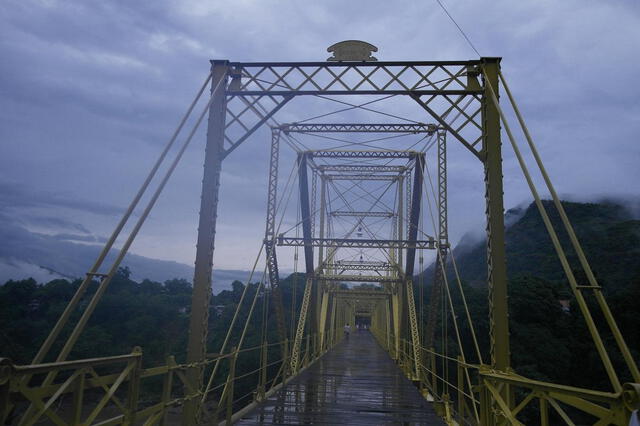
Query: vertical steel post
point(396, 301)
point(263, 371)
point(78, 399)
point(434, 373)
point(167, 385)
point(134, 388)
point(199, 321)
point(295, 353)
point(496, 258)
point(413, 328)
point(401, 234)
point(303, 183)
point(333, 325)
point(461, 401)
point(324, 311)
point(414, 215)
point(269, 235)
point(305, 212)
point(443, 241)
point(414, 218)
point(323, 203)
point(321, 287)
point(231, 379)
point(544, 412)
point(388, 325)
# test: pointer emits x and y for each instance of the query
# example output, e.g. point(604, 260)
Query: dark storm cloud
point(90, 90)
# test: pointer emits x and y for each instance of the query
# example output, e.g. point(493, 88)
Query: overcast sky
point(91, 90)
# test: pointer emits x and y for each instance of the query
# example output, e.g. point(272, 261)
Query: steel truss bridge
point(360, 228)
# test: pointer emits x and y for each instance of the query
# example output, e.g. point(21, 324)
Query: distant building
point(565, 305)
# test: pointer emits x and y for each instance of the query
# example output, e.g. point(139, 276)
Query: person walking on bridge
point(347, 330)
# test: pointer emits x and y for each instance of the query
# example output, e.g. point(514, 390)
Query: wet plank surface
point(356, 383)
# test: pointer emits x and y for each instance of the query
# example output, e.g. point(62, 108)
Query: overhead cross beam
point(357, 243)
point(361, 293)
point(341, 78)
point(452, 92)
point(358, 278)
point(362, 177)
point(358, 128)
point(361, 154)
point(361, 214)
point(373, 169)
point(361, 266)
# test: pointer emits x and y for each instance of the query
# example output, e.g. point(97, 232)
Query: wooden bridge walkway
point(356, 383)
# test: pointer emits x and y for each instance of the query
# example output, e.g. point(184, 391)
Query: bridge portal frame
point(450, 82)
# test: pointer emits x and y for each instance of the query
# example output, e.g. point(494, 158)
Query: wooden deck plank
point(356, 383)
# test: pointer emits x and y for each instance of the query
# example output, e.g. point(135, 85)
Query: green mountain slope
point(609, 236)
point(547, 341)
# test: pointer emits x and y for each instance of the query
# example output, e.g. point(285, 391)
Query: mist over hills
point(25, 254)
point(608, 231)
point(549, 339)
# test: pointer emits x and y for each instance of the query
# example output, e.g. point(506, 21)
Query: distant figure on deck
point(347, 330)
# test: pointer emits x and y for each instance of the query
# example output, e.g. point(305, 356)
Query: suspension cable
point(64, 317)
point(459, 281)
point(134, 232)
point(447, 297)
point(241, 301)
point(459, 28)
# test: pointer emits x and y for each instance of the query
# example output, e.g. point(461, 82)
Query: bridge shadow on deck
point(356, 383)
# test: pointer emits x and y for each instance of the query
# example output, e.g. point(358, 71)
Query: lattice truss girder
point(356, 243)
point(449, 91)
point(355, 77)
point(357, 167)
point(371, 218)
point(358, 278)
point(414, 128)
point(362, 265)
point(245, 114)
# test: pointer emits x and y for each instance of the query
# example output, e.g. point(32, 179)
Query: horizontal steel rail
point(360, 265)
point(362, 177)
point(357, 243)
point(358, 128)
point(343, 78)
point(361, 168)
point(361, 214)
point(358, 278)
point(361, 293)
point(361, 154)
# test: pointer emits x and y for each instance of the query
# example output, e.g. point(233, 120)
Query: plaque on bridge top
point(352, 50)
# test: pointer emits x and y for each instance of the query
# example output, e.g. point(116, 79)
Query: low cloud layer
point(89, 91)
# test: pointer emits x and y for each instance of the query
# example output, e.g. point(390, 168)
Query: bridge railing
point(117, 390)
point(471, 393)
point(552, 403)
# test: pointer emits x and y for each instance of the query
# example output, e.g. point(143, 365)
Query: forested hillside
point(149, 314)
point(547, 342)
